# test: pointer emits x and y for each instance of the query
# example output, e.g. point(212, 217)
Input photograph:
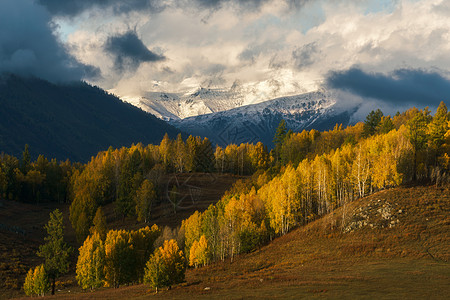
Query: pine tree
point(26, 160)
point(417, 134)
point(371, 123)
point(385, 125)
point(279, 138)
point(438, 126)
point(55, 251)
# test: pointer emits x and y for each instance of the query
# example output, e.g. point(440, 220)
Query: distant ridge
point(73, 121)
point(258, 122)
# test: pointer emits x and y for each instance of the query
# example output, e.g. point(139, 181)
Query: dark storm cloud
point(404, 86)
point(304, 56)
point(70, 8)
point(249, 4)
point(28, 46)
point(129, 51)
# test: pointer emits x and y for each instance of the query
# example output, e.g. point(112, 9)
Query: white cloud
point(276, 50)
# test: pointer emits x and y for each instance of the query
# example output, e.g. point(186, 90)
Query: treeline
point(318, 173)
point(107, 259)
point(131, 177)
point(305, 176)
point(35, 181)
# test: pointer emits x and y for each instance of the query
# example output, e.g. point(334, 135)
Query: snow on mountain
point(172, 106)
point(258, 122)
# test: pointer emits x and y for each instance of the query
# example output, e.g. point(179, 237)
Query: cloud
point(28, 46)
point(216, 4)
point(304, 56)
point(403, 86)
point(129, 51)
point(71, 8)
point(295, 42)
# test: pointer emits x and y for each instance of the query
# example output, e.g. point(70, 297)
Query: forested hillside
point(306, 176)
point(70, 121)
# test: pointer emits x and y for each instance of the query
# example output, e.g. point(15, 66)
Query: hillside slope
point(22, 225)
point(72, 121)
point(328, 258)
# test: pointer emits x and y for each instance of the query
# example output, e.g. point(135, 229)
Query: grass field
point(331, 258)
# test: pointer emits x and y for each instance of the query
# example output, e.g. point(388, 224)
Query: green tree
point(417, 134)
point(28, 286)
point(279, 138)
point(82, 210)
point(180, 154)
point(36, 282)
point(438, 127)
point(166, 266)
point(372, 122)
point(199, 255)
point(91, 263)
point(41, 284)
point(155, 273)
point(144, 199)
point(55, 251)
point(120, 261)
point(385, 125)
point(142, 242)
point(99, 224)
point(26, 160)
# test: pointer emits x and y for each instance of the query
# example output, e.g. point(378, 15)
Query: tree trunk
point(53, 285)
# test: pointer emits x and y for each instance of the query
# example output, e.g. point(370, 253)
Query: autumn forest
point(306, 175)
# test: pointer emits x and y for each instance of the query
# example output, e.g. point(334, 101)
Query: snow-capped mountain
point(173, 106)
point(201, 100)
point(258, 122)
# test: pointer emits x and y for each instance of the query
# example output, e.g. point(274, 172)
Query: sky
point(394, 52)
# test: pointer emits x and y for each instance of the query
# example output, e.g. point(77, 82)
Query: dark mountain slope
point(72, 121)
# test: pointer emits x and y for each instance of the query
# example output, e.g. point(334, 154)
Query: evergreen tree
point(55, 251)
point(371, 123)
point(385, 125)
point(417, 134)
point(279, 138)
point(438, 126)
point(26, 160)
